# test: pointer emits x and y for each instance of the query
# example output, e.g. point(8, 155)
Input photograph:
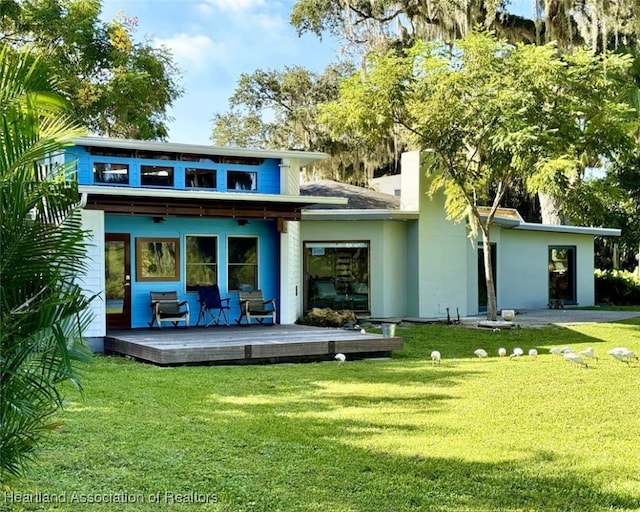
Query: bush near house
point(619, 287)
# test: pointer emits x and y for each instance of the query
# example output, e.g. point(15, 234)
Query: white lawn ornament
point(502, 351)
point(435, 357)
point(341, 358)
point(481, 353)
point(517, 352)
point(575, 359)
point(533, 353)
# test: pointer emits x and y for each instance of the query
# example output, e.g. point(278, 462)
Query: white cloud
point(270, 22)
point(235, 5)
point(204, 8)
point(195, 52)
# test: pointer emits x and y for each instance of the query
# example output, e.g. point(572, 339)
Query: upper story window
point(200, 178)
point(242, 180)
point(115, 174)
point(156, 176)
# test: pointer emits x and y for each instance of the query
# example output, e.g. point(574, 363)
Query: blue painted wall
point(173, 227)
point(268, 171)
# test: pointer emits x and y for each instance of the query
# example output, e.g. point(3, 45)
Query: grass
point(394, 435)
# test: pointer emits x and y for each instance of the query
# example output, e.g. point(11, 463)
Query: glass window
point(201, 261)
point(116, 174)
point(157, 259)
point(156, 176)
point(115, 265)
point(242, 180)
point(337, 275)
point(200, 178)
point(562, 275)
point(243, 261)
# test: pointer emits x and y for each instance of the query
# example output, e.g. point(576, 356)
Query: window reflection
point(115, 174)
point(337, 275)
point(562, 274)
point(200, 178)
point(243, 262)
point(156, 176)
point(201, 261)
point(242, 180)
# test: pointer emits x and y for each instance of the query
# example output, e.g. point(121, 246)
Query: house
point(419, 264)
point(170, 217)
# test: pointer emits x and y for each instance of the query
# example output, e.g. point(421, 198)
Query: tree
point(366, 26)
point(42, 250)
point(118, 87)
point(278, 109)
point(492, 114)
point(612, 200)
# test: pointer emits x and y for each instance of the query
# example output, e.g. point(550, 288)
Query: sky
point(215, 41)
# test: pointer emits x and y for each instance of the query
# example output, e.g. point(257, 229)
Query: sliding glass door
point(337, 275)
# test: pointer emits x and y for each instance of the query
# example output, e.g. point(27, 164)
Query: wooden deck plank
point(369, 345)
point(168, 346)
point(302, 349)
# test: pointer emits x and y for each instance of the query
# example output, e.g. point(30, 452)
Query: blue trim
point(268, 173)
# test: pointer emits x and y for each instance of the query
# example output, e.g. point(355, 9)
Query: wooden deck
point(246, 345)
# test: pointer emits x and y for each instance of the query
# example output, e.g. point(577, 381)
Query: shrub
point(618, 287)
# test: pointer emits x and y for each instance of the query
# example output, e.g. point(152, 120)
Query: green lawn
point(393, 435)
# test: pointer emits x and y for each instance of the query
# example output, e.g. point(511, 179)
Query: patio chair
point(360, 295)
point(165, 307)
point(325, 294)
point(212, 306)
point(253, 305)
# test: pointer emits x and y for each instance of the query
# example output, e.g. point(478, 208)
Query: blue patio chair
point(212, 306)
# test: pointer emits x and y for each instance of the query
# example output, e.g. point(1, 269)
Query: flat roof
point(106, 190)
point(300, 157)
point(576, 230)
point(511, 218)
point(359, 214)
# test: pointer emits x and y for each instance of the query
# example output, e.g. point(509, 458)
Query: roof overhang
point(505, 217)
point(301, 158)
point(576, 230)
point(510, 218)
point(359, 214)
point(157, 202)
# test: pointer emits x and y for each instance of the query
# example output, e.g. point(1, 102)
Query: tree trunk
point(492, 303)
point(550, 209)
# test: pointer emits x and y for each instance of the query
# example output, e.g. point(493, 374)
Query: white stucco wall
point(523, 271)
point(387, 253)
point(93, 282)
point(439, 271)
point(387, 184)
point(442, 262)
